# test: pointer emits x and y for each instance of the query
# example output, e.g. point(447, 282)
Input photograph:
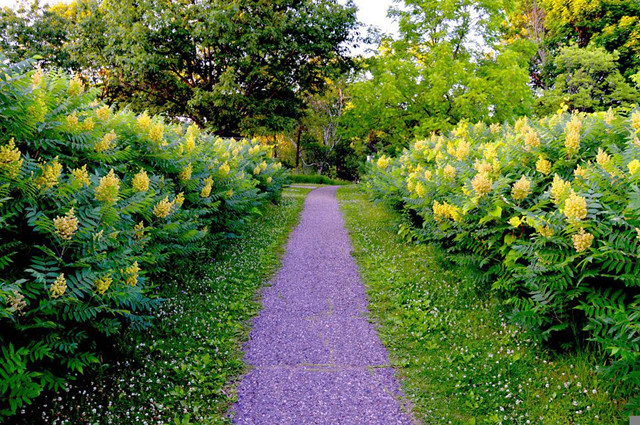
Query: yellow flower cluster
point(462, 150)
point(140, 181)
point(144, 121)
point(208, 185)
point(190, 143)
point(444, 211)
point(186, 172)
point(634, 166)
point(543, 165)
point(521, 189)
point(66, 225)
point(179, 200)
point(420, 189)
point(531, 140)
point(109, 188)
point(105, 142)
point(558, 188)
point(10, 160)
point(263, 165)
point(449, 172)
point(103, 283)
point(37, 78)
point(156, 133)
point(269, 180)
point(638, 232)
point(609, 116)
point(635, 121)
point(81, 176)
point(582, 241)
point(76, 86)
point(545, 231)
point(50, 175)
point(72, 121)
point(575, 207)
point(572, 134)
point(602, 158)
point(494, 128)
point(16, 302)
point(88, 124)
point(483, 167)
point(482, 184)
point(38, 109)
point(138, 230)
point(257, 170)
point(131, 273)
point(383, 162)
point(224, 169)
point(490, 151)
point(163, 208)
point(103, 112)
point(59, 286)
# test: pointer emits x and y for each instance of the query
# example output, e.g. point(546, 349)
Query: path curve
point(314, 357)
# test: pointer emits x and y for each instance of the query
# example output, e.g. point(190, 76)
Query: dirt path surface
point(314, 357)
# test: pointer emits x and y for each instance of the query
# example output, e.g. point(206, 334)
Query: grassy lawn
point(183, 369)
point(461, 360)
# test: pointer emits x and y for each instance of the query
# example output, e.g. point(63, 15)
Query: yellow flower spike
point(575, 207)
point(521, 189)
point(531, 140)
point(10, 160)
point(103, 283)
point(179, 199)
point(263, 165)
point(131, 273)
point(109, 188)
point(462, 150)
point(88, 124)
point(638, 232)
point(59, 287)
point(582, 241)
point(428, 174)
point(580, 172)
point(572, 135)
point(76, 86)
point(482, 184)
point(494, 128)
point(50, 175)
point(190, 143)
point(140, 181)
point(156, 133)
point(186, 172)
point(269, 180)
point(103, 112)
point(72, 121)
point(483, 167)
point(546, 231)
point(543, 166)
point(229, 193)
point(634, 166)
point(257, 170)
point(208, 185)
point(37, 78)
point(66, 225)
point(609, 116)
point(635, 120)
point(144, 121)
point(383, 162)
point(138, 230)
point(420, 190)
point(515, 221)
point(81, 176)
point(558, 189)
point(602, 158)
point(449, 172)
point(224, 169)
point(106, 142)
point(163, 208)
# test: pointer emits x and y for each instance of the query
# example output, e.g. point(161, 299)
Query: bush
point(549, 210)
point(315, 179)
point(94, 205)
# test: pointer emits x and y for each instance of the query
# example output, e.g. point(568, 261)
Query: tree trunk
point(298, 148)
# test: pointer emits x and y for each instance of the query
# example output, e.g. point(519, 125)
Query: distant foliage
point(94, 205)
point(549, 209)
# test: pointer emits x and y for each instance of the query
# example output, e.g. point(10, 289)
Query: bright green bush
point(549, 209)
point(94, 205)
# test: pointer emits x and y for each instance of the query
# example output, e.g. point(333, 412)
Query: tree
point(237, 67)
point(588, 80)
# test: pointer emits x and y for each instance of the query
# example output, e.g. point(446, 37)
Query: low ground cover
point(182, 369)
point(462, 360)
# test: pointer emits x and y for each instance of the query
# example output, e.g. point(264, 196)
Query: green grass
point(183, 369)
point(461, 360)
point(316, 179)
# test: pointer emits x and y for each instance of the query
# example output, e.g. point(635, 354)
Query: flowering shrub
point(94, 205)
point(549, 209)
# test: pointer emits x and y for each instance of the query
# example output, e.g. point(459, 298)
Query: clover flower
point(81, 176)
point(383, 162)
point(543, 166)
point(163, 208)
point(575, 207)
point(521, 189)
point(59, 286)
point(103, 283)
point(140, 181)
point(572, 134)
point(156, 133)
point(50, 175)
point(10, 160)
point(449, 172)
point(186, 172)
point(103, 112)
point(144, 121)
point(108, 188)
point(105, 142)
point(224, 169)
point(131, 273)
point(482, 184)
point(208, 185)
point(633, 166)
point(66, 225)
point(582, 241)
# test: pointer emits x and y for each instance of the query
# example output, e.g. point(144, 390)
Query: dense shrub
point(94, 205)
point(549, 209)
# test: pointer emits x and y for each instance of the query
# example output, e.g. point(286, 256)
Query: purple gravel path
point(315, 358)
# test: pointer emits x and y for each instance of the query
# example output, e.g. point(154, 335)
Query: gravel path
point(315, 358)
